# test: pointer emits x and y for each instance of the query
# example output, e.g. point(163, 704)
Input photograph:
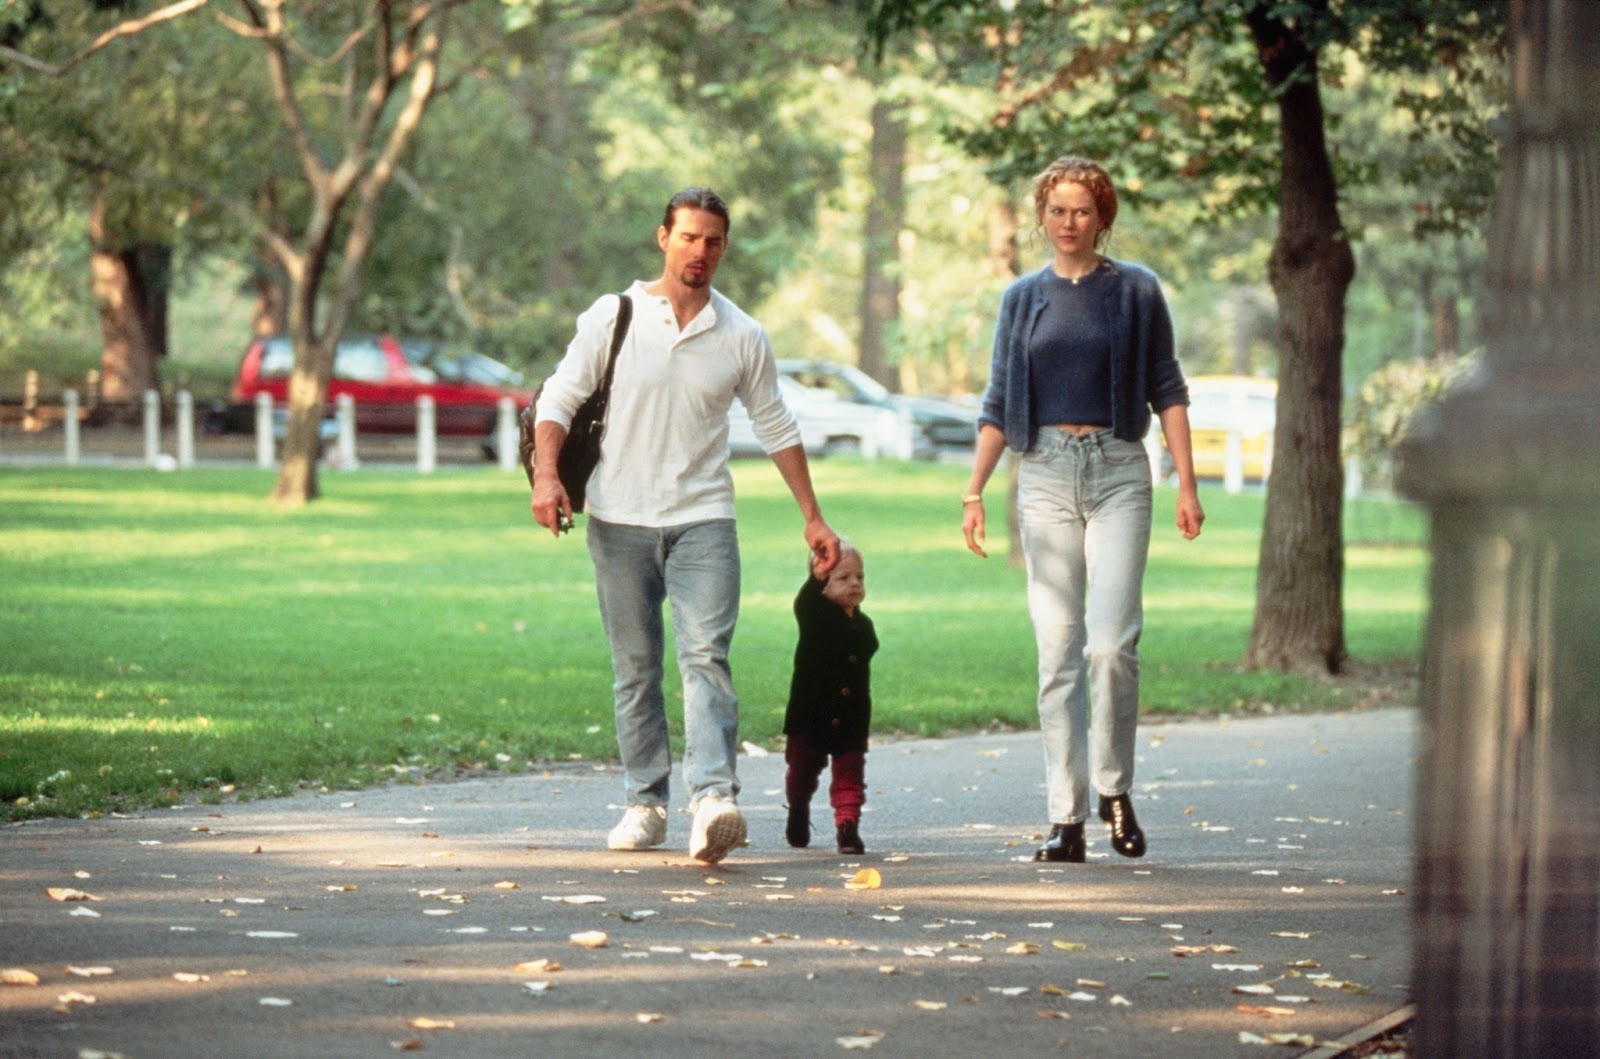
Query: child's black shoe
point(798, 829)
point(850, 838)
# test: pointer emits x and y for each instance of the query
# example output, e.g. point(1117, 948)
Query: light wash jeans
point(695, 567)
point(1085, 513)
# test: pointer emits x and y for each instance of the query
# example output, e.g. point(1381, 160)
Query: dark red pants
point(847, 791)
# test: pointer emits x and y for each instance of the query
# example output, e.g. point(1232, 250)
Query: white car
point(827, 425)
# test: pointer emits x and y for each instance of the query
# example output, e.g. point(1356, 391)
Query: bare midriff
point(1077, 430)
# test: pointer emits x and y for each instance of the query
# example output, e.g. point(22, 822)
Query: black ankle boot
point(798, 829)
point(1126, 838)
point(850, 838)
point(1064, 844)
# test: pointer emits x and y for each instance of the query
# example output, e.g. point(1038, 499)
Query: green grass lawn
point(172, 636)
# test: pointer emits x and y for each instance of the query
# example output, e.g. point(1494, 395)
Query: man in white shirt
point(661, 513)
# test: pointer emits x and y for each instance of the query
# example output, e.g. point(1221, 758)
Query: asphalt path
point(485, 918)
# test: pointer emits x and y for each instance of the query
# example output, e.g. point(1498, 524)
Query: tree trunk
point(127, 347)
point(297, 482)
point(880, 285)
point(1299, 617)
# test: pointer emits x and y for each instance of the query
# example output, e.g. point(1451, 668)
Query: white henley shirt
point(664, 460)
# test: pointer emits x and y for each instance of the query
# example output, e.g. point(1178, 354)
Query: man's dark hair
point(697, 199)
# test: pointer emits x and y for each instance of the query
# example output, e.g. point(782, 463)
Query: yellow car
point(1220, 405)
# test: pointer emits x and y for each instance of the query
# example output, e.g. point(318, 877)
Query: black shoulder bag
point(581, 451)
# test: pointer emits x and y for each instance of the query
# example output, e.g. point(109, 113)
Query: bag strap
point(619, 331)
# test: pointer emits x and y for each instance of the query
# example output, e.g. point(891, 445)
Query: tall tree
point(1221, 101)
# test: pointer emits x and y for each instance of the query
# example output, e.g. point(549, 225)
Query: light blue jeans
point(695, 568)
point(1085, 512)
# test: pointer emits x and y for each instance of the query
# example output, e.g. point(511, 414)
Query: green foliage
point(172, 637)
point(1386, 406)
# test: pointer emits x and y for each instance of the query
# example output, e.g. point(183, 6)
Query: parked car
point(827, 424)
point(1220, 405)
point(937, 428)
point(384, 376)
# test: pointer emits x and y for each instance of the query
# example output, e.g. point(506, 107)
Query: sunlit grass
point(175, 637)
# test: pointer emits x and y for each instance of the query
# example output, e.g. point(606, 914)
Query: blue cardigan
point(1145, 374)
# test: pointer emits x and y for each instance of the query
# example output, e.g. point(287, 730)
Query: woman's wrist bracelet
point(972, 498)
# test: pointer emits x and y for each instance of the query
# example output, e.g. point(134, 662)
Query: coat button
point(836, 722)
point(844, 693)
point(852, 659)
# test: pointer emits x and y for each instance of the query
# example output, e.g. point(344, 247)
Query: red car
point(385, 376)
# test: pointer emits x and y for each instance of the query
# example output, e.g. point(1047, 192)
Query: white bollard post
point(264, 446)
point(505, 429)
point(347, 432)
point(69, 403)
point(1353, 482)
point(427, 442)
point(185, 428)
point(907, 435)
point(1233, 464)
point(1152, 449)
point(152, 427)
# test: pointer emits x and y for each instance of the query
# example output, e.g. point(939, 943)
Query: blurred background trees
point(876, 154)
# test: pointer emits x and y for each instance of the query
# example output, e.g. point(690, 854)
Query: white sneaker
point(718, 829)
point(642, 827)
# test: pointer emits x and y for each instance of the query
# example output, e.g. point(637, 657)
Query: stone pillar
point(1507, 889)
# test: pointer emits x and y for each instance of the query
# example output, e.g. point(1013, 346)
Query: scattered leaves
point(860, 1041)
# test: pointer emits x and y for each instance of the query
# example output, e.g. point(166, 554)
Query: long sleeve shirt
point(664, 460)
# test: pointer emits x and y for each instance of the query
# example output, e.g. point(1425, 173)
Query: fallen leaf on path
point(1262, 989)
point(1023, 948)
point(931, 1005)
point(865, 879)
point(578, 899)
point(1070, 946)
point(65, 1001)
point(415, 1044)
point(647, 1017)
point(67, 893)
point(422, 1022)
point(590, 939)
point(18, 976)
point(537, 967)
point(507, 885)
point(861, 1041)
point(90, 972)
point(275, 1002)
point(1266, 1010)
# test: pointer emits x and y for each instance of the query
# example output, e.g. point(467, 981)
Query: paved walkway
point(440, 918)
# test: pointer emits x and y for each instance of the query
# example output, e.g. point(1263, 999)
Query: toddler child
point(830, 701)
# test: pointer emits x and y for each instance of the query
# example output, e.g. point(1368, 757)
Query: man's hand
point(552, 508)
point(824, 545)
